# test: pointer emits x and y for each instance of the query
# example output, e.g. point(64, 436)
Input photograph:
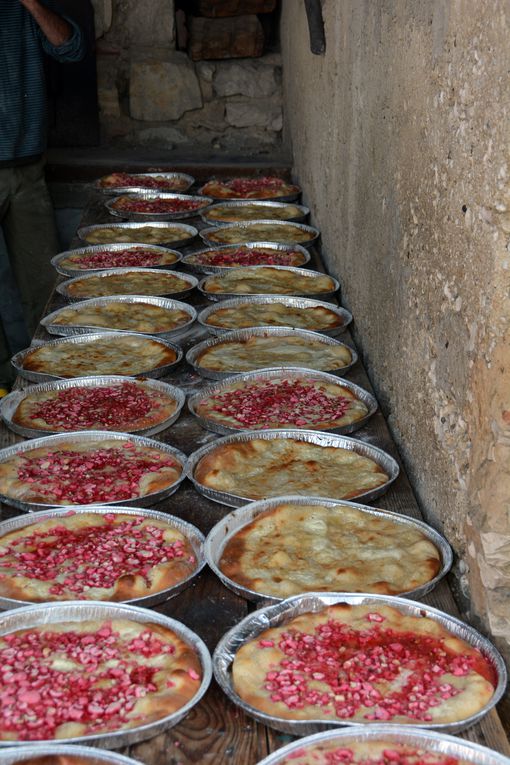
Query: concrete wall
point(400, 140)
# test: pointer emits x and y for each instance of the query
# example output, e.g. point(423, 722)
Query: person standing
point(29, 29)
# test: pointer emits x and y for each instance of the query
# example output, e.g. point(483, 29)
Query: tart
point(123, 355)
point(294, 548)
point(261, 468)
point(126, 406)
point(282, 402)
point(128, 283)
point(87, 472)
point(138, 257)
point(262, 231)
point(243, 315)
point(157, 205)
point(122, 315)
point(245, 255)
point(147, 234)
point(267, 187)
point(368, 752)
point(252, 211)
point(280, 350)
point(92, 677)
point(265, 280)
point(363, 664)
point(158, 182)
point(92, 556)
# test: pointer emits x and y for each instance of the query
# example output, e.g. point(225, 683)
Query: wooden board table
point(216, 732)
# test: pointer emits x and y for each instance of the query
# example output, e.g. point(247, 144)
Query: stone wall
point(150, 94)
point(400, 140)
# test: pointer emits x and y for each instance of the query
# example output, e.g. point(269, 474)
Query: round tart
point(157, 205)
point(298, 547)
point(242, 315)
point(128, 282)
point(363, 663)
point(267, 187)
point(132, 315)
point(164, 182)
point(261, 231)
point(93, 556)
point(236, 212)
point(94, 259)
point(147, 234)
point(267, 280)
point(84, 472)
point(73, 679)
point(246, 255)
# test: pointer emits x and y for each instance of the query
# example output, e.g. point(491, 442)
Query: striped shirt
point(22, 86)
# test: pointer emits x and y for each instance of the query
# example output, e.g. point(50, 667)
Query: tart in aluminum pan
point(121, 554)
point(98, 257)
point(126, 183)
point(260, 464)
point(62, 754)
point(148, 205)
point(108, 353)
point(266, 187)
point(268, 280)
point(224, 213)
point(246, 350)
point(282, 613)
point(128, 281)
point(275, 311)
point(293, 397)
point(261, 231)
point(155, 316)
point(89, 618)
point(105, 402)
point(93, 468)
point(436, 748)
point(218, 260)
point(301, 544)
point(171, 234)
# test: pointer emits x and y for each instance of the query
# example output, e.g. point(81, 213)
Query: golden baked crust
point(363, 663)
point(310, 548)
point(138, 257)
point(92, 677)
point(147, 234)
point(267, 187)
point(286, 233)
point(132, 317)
point(159, 182)
point(82, 473)
point(261, 351)
point(253, 211)
point(93, 557)
point(244, 255)
point(261, 468)
point(265, 280)
point(132, 283)
point(369, 752)
point(121, 406)
point(246, 315)
point(283, 402)
point(121, 355)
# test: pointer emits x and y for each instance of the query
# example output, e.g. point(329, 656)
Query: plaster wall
point(400, 141)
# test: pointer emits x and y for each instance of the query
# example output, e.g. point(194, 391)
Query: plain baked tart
point(267, 280)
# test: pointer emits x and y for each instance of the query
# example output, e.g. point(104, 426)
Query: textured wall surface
point(400, 140)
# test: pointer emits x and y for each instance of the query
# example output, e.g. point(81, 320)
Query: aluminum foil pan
point(171, 229)
point(228, 526)
point(10, 403)
point(292, 373)
point(178, 178)
point(65, 271)
point(92, 755)
point(290, 197)
point(381, 458)
point(149, 216)
point(281, 613)
point(191, 533)
point(75, 611)
point(188, 260)
point(50, 325)
point(95, 435)
point(301, 227)
point(293, 302)
point(269, 207)
point(302, 272)
point(18, 359)
point(193, 354)
point(436, 743)
point(191, 282)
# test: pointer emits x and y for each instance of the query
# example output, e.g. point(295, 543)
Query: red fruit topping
point(135, 256)
point(158, 205)
point(249, 256)
point(144, 181)
point(251, 185)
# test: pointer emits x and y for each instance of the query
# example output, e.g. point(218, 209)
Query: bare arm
point(53, 26)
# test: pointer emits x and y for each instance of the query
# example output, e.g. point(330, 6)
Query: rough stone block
point(254, 114)
point(160, 135)
point(246, 78)
point(150, 23)
point(163, 90)
point(216, 8)
point(238, 37)
point(102, 16)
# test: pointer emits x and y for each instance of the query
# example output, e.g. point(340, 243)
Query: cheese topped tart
point(235, 213)
point(87, 472)
point(244, 255)
point(132, 317)
point(158, 205)
point(93, 557)
point(125, 406)
point(261, 468)
point(282, 403)
point(363, 664)
point(139, 257)
point(87, 678)
point(294, 548)
point(159, 182)
point(147, 234)
point(369, 752)
point(122, 355)
point(260, 351)
point(265, 280)
point(262, 231)
point(244, 315)
point(267, 187)
point(128, 283)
